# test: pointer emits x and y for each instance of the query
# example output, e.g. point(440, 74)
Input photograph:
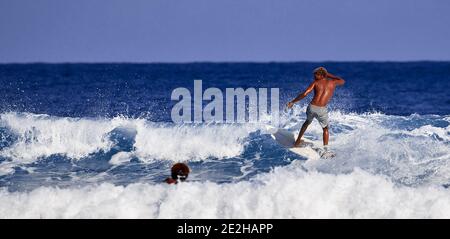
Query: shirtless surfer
point(323, 91)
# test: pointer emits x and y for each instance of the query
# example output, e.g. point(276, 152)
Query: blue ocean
point(97, 141)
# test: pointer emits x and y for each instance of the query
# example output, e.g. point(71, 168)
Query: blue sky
point(223, 30)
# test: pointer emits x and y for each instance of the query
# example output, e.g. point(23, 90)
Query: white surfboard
point(309, 149)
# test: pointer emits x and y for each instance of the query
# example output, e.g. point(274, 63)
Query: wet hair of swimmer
point(180, 171)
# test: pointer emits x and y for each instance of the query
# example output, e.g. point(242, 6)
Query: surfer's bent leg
point(302, 131)
point(309, 119)
point(325, 136)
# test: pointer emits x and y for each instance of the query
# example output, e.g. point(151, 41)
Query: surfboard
point(309, 149)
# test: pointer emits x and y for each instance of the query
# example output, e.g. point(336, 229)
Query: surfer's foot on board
point(325, 153)
point(299, 144)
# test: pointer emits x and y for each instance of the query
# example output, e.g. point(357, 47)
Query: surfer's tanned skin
point(323, 91)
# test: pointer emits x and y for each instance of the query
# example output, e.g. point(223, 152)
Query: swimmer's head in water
point(180, 171)
point(320, 72)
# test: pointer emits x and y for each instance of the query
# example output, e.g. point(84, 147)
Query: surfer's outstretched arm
point(302, 95)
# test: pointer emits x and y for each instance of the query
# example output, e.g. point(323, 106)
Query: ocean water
point(97, 140)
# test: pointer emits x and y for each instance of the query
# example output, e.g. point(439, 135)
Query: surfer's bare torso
point(323, 91)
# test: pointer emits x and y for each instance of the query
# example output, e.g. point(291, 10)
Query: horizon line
point(221, 62)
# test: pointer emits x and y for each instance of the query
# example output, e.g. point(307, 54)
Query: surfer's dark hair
point(180, 171)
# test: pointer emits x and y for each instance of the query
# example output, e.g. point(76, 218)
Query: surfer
point(179, 171)
point(323, 91)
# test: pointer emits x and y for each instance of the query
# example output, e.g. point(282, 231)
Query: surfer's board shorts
point(320, 113)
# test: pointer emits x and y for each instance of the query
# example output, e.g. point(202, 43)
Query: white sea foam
point(287, 192)
point(417, 156)
point(120, 157)
point(428, 130)
point(6, 168)
point(42, 136)
point(390, 155)
point(191, 142)
point(375, 142)
point(413, 155)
